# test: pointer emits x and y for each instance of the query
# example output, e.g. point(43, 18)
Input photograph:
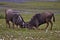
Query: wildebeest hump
point(40, 19)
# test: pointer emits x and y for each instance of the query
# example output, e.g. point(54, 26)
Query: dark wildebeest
point(14, 17)
point(42, 18)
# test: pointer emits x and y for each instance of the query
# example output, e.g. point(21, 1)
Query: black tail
point(53, 18)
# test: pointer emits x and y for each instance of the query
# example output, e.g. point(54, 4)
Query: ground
point(27, 11)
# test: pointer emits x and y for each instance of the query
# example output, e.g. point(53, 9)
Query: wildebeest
point(14, 17)
point(41, 18)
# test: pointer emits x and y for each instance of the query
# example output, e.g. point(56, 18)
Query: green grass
point(26, 34)
point(33, 5)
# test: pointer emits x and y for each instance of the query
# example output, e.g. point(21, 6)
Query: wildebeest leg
point(17, 26)
point(13, 21)
point(37, 27)
point(47, 24)
point(7, 22)
point(37, 23)
point(13, 25)
point(30, 27)
point(51, 25)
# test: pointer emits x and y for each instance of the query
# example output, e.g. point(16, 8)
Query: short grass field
point(27, 11)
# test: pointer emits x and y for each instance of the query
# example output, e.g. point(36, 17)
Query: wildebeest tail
point(5, 14)
point(53, 18)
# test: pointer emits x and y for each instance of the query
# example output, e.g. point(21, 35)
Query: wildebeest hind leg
point(51, 25)
point(47, 24)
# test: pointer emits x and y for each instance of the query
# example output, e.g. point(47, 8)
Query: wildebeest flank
point(41, 18)
point(14, 17)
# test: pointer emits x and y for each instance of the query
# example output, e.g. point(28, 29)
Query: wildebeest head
point(21, 22)
point(34, 22)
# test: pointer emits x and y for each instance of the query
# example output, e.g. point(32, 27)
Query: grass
point(33, 5)
point(29, 9)
point(26, 34)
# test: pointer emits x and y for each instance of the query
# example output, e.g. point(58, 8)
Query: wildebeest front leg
point(13, 25)
point(51, 25)
point(37, 23)
point(14, 21)
point(7, 23)
point(30, 27)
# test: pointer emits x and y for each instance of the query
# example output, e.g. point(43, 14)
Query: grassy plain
point(29, 9)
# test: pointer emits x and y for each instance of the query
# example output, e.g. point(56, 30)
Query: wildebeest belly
point(42, 22)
